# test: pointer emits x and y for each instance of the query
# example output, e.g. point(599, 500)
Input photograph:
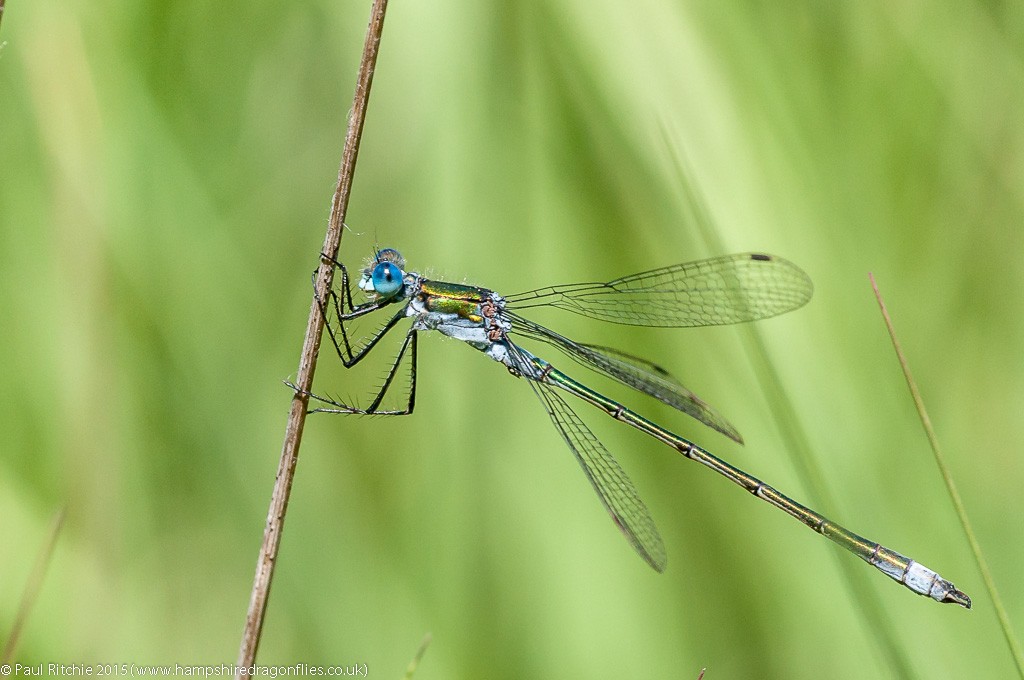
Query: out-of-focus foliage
point(165, 176)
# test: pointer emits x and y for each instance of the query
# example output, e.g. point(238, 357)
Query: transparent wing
point(613, 487)
point(638, 373)
point(721, 290)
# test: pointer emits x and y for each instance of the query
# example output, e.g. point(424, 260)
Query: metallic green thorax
point(453, 298)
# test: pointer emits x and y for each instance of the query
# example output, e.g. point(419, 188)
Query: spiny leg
point(344, 349)
point(410, 344)
point(349, 357)
point(345, 284)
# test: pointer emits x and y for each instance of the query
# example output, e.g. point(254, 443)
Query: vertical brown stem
point(35, 579)
point(310, 347)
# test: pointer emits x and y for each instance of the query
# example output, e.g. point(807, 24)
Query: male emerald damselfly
point(717, 291)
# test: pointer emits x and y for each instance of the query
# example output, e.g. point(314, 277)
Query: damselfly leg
point(349, 358)
point(336, 303)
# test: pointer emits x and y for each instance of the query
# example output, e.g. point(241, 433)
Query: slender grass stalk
point(2, 6)
point(954, 495)
point(876, 621)
point(310, 348)
point(414, 664)
point(35, 579)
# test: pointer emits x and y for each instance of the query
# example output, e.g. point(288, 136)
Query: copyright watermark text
point(131, 670)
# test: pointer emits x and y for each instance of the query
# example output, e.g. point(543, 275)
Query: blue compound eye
point(387, 279)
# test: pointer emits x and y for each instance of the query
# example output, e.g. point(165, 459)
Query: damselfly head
point(390, 255)
point(384, 274)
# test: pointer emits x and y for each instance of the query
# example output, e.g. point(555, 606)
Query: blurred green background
point(165, 176)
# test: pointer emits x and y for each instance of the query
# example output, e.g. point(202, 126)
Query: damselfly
point(722, 290)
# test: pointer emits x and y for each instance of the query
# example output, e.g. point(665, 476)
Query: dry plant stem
point(310, 347)
point(414, 664)
point(958, 505)
point(35, 579)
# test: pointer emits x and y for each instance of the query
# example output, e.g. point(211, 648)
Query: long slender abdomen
point(906, 571)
